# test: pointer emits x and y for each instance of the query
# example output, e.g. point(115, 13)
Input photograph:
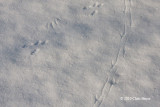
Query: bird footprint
point(35, 47)
point(95, 7)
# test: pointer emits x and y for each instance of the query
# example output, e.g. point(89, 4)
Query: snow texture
point(79, 53)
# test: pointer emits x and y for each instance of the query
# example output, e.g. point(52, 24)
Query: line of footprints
point(94, 6)
point(35, 46)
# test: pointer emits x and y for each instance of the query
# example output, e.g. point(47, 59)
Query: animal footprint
point(99, 5)
point(95, 6)
point(35, 51)
point(94, 12)
point(57, 20)
point(35, 47)
point(54, 23)
point(38, 42)
point(44, 42)
point(84, 8)
point(24, 46)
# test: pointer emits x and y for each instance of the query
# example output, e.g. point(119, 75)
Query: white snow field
point(79, 53)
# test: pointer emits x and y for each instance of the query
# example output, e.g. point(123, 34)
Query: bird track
point(54, 23)
point(93, 6)
point(35, 47)
point(110, 79)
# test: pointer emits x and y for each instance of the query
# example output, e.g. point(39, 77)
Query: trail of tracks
point(110, 80)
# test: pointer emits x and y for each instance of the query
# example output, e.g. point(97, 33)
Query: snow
point(79, 53)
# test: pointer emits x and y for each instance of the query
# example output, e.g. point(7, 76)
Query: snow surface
point(79, 53)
